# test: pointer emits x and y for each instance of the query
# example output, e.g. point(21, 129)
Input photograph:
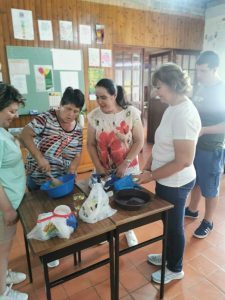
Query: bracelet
point(127, 160)
point(151, 174)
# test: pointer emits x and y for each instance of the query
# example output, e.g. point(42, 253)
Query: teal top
point(12, 172)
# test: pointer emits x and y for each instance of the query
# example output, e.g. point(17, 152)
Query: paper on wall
point(69, 79)
point(19, 82)
point(43, 78)
point(66, 59)
point(66, 30)
point(94, 57)
point(22, 24)
point(45, 30)
point(85, 34)
point(106, 58)
point(19, 66)
point(54, 99)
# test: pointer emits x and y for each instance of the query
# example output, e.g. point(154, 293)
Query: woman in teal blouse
point(12, 189)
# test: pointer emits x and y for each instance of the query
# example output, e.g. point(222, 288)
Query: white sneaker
point(155, 259)
point(131, 238)
point(169, 276)
point(53, 264)
point(14, 277)
point(10, 294)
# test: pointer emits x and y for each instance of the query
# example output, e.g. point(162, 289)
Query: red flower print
point(123, 128)
point(111, 150)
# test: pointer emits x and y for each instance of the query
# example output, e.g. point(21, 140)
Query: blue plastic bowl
point(61, 190)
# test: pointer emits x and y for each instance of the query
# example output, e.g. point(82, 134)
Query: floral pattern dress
point(114, 136)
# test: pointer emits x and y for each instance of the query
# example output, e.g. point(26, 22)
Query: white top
point(179, 122)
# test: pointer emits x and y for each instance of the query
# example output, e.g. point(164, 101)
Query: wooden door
point(155, 107)
point(184, 58)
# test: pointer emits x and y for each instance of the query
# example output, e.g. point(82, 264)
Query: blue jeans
point(175, 229)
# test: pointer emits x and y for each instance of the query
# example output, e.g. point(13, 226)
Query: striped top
point(58, 146)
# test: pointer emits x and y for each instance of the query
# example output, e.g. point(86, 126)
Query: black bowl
point(132, 199)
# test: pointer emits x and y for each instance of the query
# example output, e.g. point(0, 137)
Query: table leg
point(111, 256)
point(164, 241)
point(47, 285)
point(28, 258)
point(116, 235)
point(79, 256)
point(75, 258)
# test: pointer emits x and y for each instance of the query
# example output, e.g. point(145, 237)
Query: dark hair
point(9, 95)
point(71, 96)
point(114, 89)
point(173, 76)
point(209, 58)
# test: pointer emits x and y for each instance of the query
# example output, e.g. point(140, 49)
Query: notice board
point(25, 63)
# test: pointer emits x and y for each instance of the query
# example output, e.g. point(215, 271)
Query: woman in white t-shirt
point(171, 163)
point(115, 135)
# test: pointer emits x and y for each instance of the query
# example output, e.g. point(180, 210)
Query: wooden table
point(125, 220)
point(86, 235)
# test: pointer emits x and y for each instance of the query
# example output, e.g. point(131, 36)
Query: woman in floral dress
point(115, 135)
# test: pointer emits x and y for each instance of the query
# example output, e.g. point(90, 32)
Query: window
point(128, 73)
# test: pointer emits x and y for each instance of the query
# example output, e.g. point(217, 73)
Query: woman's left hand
point(144, 177)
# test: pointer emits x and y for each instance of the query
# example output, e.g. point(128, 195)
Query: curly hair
point(174, 77)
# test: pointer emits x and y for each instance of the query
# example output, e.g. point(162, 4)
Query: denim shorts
point(209, 166)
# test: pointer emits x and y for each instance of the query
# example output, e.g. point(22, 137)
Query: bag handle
point(55, 216)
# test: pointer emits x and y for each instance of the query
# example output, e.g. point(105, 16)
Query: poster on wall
point(106, 58)
point(85, 34)
point(93, 57)
point(45, 30)
point(66, 30)
point(43, 78)
point(99, 33)
point(22, 24)
point(94, 75)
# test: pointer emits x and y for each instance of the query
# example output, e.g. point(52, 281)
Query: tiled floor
point(204, 265)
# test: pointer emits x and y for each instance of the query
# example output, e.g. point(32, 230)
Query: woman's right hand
point(43, 164)
point(101, 171)
point(10, 217)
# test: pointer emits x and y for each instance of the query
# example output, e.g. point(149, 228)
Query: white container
point(62, 210)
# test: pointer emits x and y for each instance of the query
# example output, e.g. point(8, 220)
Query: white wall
point(214, 37)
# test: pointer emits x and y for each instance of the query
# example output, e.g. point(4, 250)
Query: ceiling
point(181, 7)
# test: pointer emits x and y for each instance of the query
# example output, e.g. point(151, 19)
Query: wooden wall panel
point(123, 26)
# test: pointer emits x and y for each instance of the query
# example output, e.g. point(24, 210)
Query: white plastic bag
point(96, 207)
point(60, 223)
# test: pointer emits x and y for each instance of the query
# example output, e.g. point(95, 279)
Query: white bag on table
point(54, 224)
point(96, 207)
